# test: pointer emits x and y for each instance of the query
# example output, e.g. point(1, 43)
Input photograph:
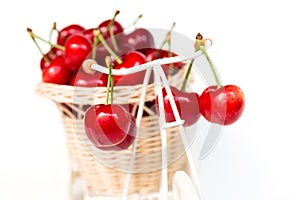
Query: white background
point(256, 46)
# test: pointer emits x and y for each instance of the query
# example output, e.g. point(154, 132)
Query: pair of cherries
point(222, 105)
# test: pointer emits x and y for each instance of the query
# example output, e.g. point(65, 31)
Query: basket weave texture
point(104, 172)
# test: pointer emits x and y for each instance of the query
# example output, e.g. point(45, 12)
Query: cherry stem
point(170, 54)
point(103, 42)
point(95, 43)
point(167, 39)
point(111, 22)
point(111, 31)
point(186, 77)
point(46, 59)
point(213, 70)
point(51, 31)
point(110, 82)
point(113, 39)
point(136, 20)
point(42, 39)
point(200, 45)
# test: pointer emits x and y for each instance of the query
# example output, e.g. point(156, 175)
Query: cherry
point(139, 39)
point(129, 139)
point(107, 125)
point(116, 28)
point(89, 34)
point(186, 103)
point(129, 60)
point(222, 105)
point(56, 52)
point(102, 52)
point(77, 48)
point(45, 61)
point(50, 55)
point(82, 79)
point(56, 72)
point(68, 31)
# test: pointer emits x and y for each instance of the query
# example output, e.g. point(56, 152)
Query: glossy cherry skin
point(51, 54)
point(56, 72)
point(77, 48)
point(82, 79)
point(130, 60)
point(186, 103)
point(43, 63)
point(117, 28)
point(56, 52)
point(139, 39)
point(67, 31)
point(129, 139)
point(222, 105)
point(107, 125)
point(89, 34)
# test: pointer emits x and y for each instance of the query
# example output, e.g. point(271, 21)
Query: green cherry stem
point(110, 82)
point(170, 54)
point(95, 43)
point(52, 30)
point(32, 35)
point(112, 21)
point(213, 70)
point(46, 59)
point(200, 46)
point(133, 24)
point(113, 39)
point(111, 31)
point(103, 42)
point(186, 77)
point(199, 38)
point(136, 20)
point(167, 40)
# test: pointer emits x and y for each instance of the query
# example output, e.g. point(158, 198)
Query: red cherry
point(130, 59)
point(89, 34)
point(139, 39)
point(82, 79)
point(43, 63)
point(129, 139)
point(222, 105)
point(77, 48)
point(103, 27)
point(56, 72)
point(102, 52)
point(107, 125)
point(186, 103)
point(56, 52)
point(53, 53)
point(68, 31)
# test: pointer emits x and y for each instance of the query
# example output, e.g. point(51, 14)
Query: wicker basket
point(104, 172)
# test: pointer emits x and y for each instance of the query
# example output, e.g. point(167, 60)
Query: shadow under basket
point(104, 172)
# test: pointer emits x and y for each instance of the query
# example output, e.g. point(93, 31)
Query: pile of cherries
point(111, 126)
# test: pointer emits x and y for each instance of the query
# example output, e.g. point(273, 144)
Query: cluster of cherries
point(111, 126)
point(74, 44)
